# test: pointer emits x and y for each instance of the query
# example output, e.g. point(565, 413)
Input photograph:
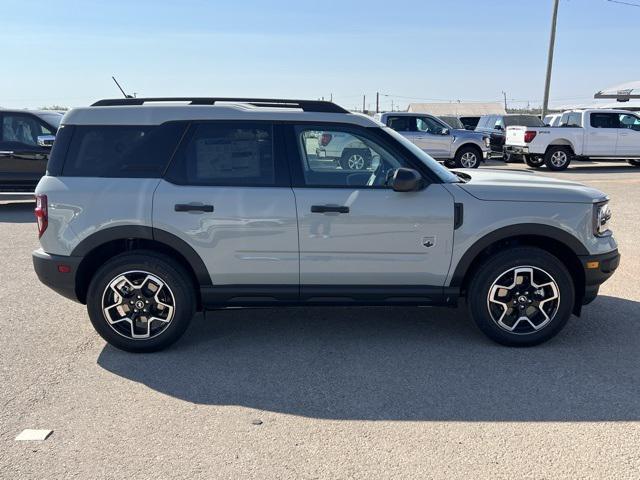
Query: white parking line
point(30, 434)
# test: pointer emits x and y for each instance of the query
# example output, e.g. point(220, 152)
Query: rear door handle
point(192, 207)
point(329, 208)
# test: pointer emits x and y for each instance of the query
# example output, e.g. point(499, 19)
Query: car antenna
point(125, 95)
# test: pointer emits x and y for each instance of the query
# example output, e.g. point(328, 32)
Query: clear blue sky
point(64, 52)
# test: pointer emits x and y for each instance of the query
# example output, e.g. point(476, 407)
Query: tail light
point(325, 138)
point(529, 135)
point(42, 214)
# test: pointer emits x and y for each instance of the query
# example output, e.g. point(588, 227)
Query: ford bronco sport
point(152, 209)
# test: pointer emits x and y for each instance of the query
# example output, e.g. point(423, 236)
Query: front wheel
point(355, 159)
point(141, 301)
point(534, 161)
point(467, 157)
point(522, 296)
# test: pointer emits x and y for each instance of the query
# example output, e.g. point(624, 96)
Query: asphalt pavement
point(334, 393)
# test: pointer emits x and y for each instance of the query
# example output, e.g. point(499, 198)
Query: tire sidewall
point(531, 162)
point(170, 272)
point(461, 151)
point(490, 271)
point(549, 154)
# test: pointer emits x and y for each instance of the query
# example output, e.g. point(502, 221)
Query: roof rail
point(305, 105)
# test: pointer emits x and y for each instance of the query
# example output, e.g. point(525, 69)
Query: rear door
point(227, 194)
point(628, 135)
point(22, 160)
point(601, 138)
point(358, 236)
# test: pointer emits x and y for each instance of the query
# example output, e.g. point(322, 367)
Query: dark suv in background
point(495, 126)
point(26, 137)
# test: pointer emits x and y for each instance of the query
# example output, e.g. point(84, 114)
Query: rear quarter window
point(118, 151)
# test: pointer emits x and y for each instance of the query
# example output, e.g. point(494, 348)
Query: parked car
point(583, 134)
point(26, 137)
point(463, 123)
point(148, 213)
point(495, 127)
point(455, 147)
point(552, 120)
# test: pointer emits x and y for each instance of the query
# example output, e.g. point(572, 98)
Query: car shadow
point(398, 364)
point(17, 212)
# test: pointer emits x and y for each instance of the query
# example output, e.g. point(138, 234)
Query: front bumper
point(57, 272)
point(597, 270)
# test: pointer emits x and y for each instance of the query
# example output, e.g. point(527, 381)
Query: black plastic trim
point(46, 267)
point(512, 231)
point(458, 215)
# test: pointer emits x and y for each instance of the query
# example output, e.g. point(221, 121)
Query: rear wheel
point(534, 161)
point(467, 157)
point(557, 158)
point(141, 301)
point(522, 296)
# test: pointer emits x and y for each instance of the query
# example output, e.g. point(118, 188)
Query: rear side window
point(404, 123)
point(121, 150)
point(523, 121)
point(605, 120)
point(223, 154)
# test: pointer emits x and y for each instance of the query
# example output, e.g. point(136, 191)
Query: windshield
point(453, 122)
point(523, 120)
point(442, 173)
point(52, 119)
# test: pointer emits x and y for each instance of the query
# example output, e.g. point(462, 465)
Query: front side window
point(226, 154)
point(605, 120)
point(23, 129)
point(338, 158)
point(630, 121)
point(499, 125)
point(429, 125)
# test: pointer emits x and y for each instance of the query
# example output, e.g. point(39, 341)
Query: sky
point(65, 52)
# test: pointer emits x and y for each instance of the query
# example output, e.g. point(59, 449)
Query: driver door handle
point(191, 207)
point(329, 209)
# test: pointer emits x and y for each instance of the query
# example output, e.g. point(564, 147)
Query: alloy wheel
point(468, 160)
point(355, 162)
point(138, 305)
point(559, 158)
point(523, 300)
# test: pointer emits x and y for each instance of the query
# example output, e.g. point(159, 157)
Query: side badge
point(428, 242)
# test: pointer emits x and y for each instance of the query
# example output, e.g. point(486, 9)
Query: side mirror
point(445, 131)
point(46, 140)
point(406, 180)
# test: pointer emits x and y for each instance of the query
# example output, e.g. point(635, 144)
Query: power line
point(624, 3)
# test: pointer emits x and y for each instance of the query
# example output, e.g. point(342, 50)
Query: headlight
point(487, 141)
point(601, 218)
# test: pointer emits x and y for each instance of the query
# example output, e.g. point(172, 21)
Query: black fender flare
point(142, 232)
point(513, 231)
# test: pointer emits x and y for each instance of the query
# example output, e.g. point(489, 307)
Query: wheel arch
point(559, 243)
point(472, 145)
point(561, 142)
point(104, 244)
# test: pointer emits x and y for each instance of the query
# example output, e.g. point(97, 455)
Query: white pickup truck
point(581, 134)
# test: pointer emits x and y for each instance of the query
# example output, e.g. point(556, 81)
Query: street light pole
point(552, 42)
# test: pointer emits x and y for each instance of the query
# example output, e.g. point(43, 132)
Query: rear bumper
point(516, 149)
point(48, 268)
point(597, 270)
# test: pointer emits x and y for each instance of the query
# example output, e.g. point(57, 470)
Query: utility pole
point(504, 94)
point(331, 98)
point(377, 102)
point(364, 99)
point(392, 104)
point(552, 42)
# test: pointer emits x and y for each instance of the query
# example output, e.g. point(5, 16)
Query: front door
point(628, 136)
point(433, 137)
point(227, 194)
point(22, 160)
point(356, 233)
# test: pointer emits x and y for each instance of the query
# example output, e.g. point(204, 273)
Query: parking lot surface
point(326, 392)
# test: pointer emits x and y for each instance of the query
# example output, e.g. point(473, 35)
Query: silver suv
point(455, 147)
point(152, 209)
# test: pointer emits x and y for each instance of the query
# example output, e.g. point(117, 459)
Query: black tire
point(558, 158)
point(634, 163)
point(177, 291)
point(534, 161)
point(348, 155)
point(468, 156)
point(495, 269)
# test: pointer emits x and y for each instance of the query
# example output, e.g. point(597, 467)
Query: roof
point(35, 112)
point(157, 111)
point(470, 109)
